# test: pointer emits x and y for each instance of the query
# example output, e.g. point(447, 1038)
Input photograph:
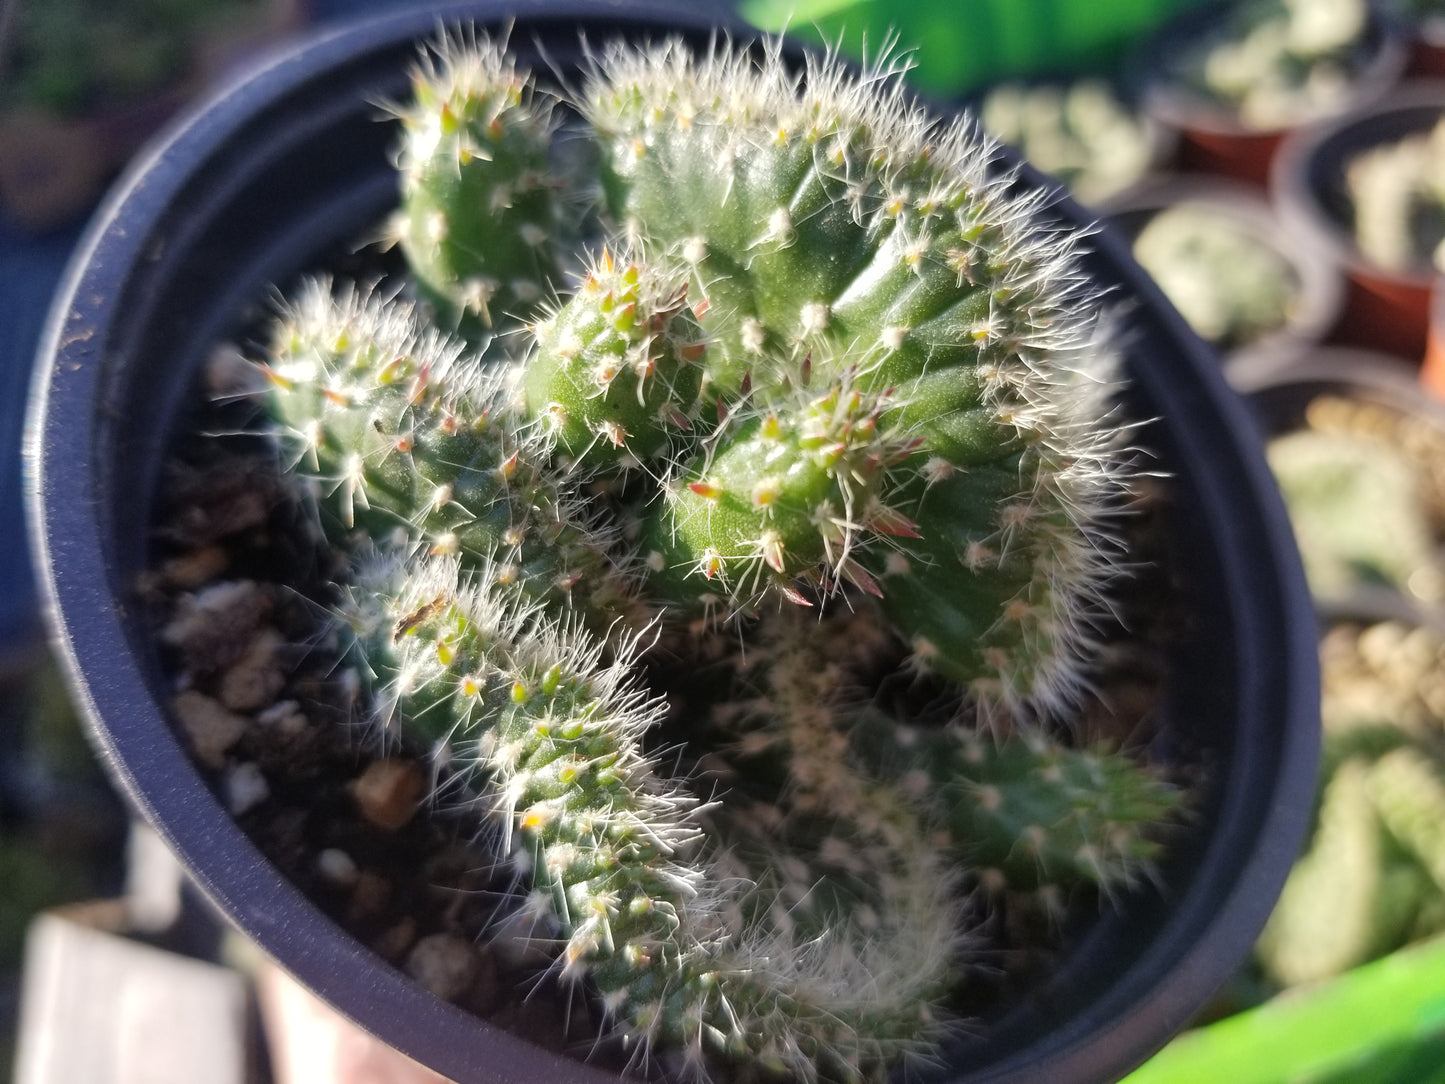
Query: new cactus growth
point(480, 204)
point(618, 369)
point(795, 488)
point(832, 225)
point(814, 350)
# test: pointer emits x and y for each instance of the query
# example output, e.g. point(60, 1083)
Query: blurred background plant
point(84, 82)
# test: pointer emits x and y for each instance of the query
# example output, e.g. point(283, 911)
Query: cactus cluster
point(737, 354)
point(1373, 876)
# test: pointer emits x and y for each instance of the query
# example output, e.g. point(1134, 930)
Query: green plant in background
point(1362, 482)
point(1079, 133)
point(67, 56)
point(1373, 879)
point(807, 352)
point(1232, 286)
point(1357, 508)
point(1278, 62)
point(1398, 199)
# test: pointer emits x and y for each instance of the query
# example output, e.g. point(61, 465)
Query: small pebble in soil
point(337, 866)
point(210, 726)
point(445, 964)
point(255, 679)
point(389, 791)
point(245, 788)
point(212, 627)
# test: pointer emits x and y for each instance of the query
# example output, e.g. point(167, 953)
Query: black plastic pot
point(1385, 309)
point(291, 165)
point(1243, 208)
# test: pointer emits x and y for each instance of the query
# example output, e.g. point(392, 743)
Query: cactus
point(1408, 788)
point(834, 229)
point(480, 205)
point(795, 488)
point(823, 354)
point(684, 946)
point(407, 436)
point(618, 369)
point(1326, 918)
point(1019, 812)
point(1373, 877)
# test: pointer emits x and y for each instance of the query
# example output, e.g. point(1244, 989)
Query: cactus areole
point(692, 335)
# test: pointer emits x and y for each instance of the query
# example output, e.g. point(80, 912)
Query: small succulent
point(1373, 876)
point(1080, 133)
point(1278, 62)
point(1232, 286)
point(1362, 485)
point(1398, 201)
point(806, 355)
point(1358, 510)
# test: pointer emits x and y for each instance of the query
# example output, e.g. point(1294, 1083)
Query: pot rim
point(1296, 184)
point(1213, 925)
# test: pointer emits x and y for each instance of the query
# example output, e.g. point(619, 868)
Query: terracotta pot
point(1432, 370)
point(1427, 48)
point(1213, 138)
point(1385, 309)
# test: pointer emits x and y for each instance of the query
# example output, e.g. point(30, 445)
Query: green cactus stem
point(479, 218)
point(1020, 813)
point(679, 947)
point(787, 490)
point(618, 369)
point(785, 735)
point(411, 441)
point(1327, 917)
point(827, 217)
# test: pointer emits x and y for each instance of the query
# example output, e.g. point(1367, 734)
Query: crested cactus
point(821, 353)
point(831, 225)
